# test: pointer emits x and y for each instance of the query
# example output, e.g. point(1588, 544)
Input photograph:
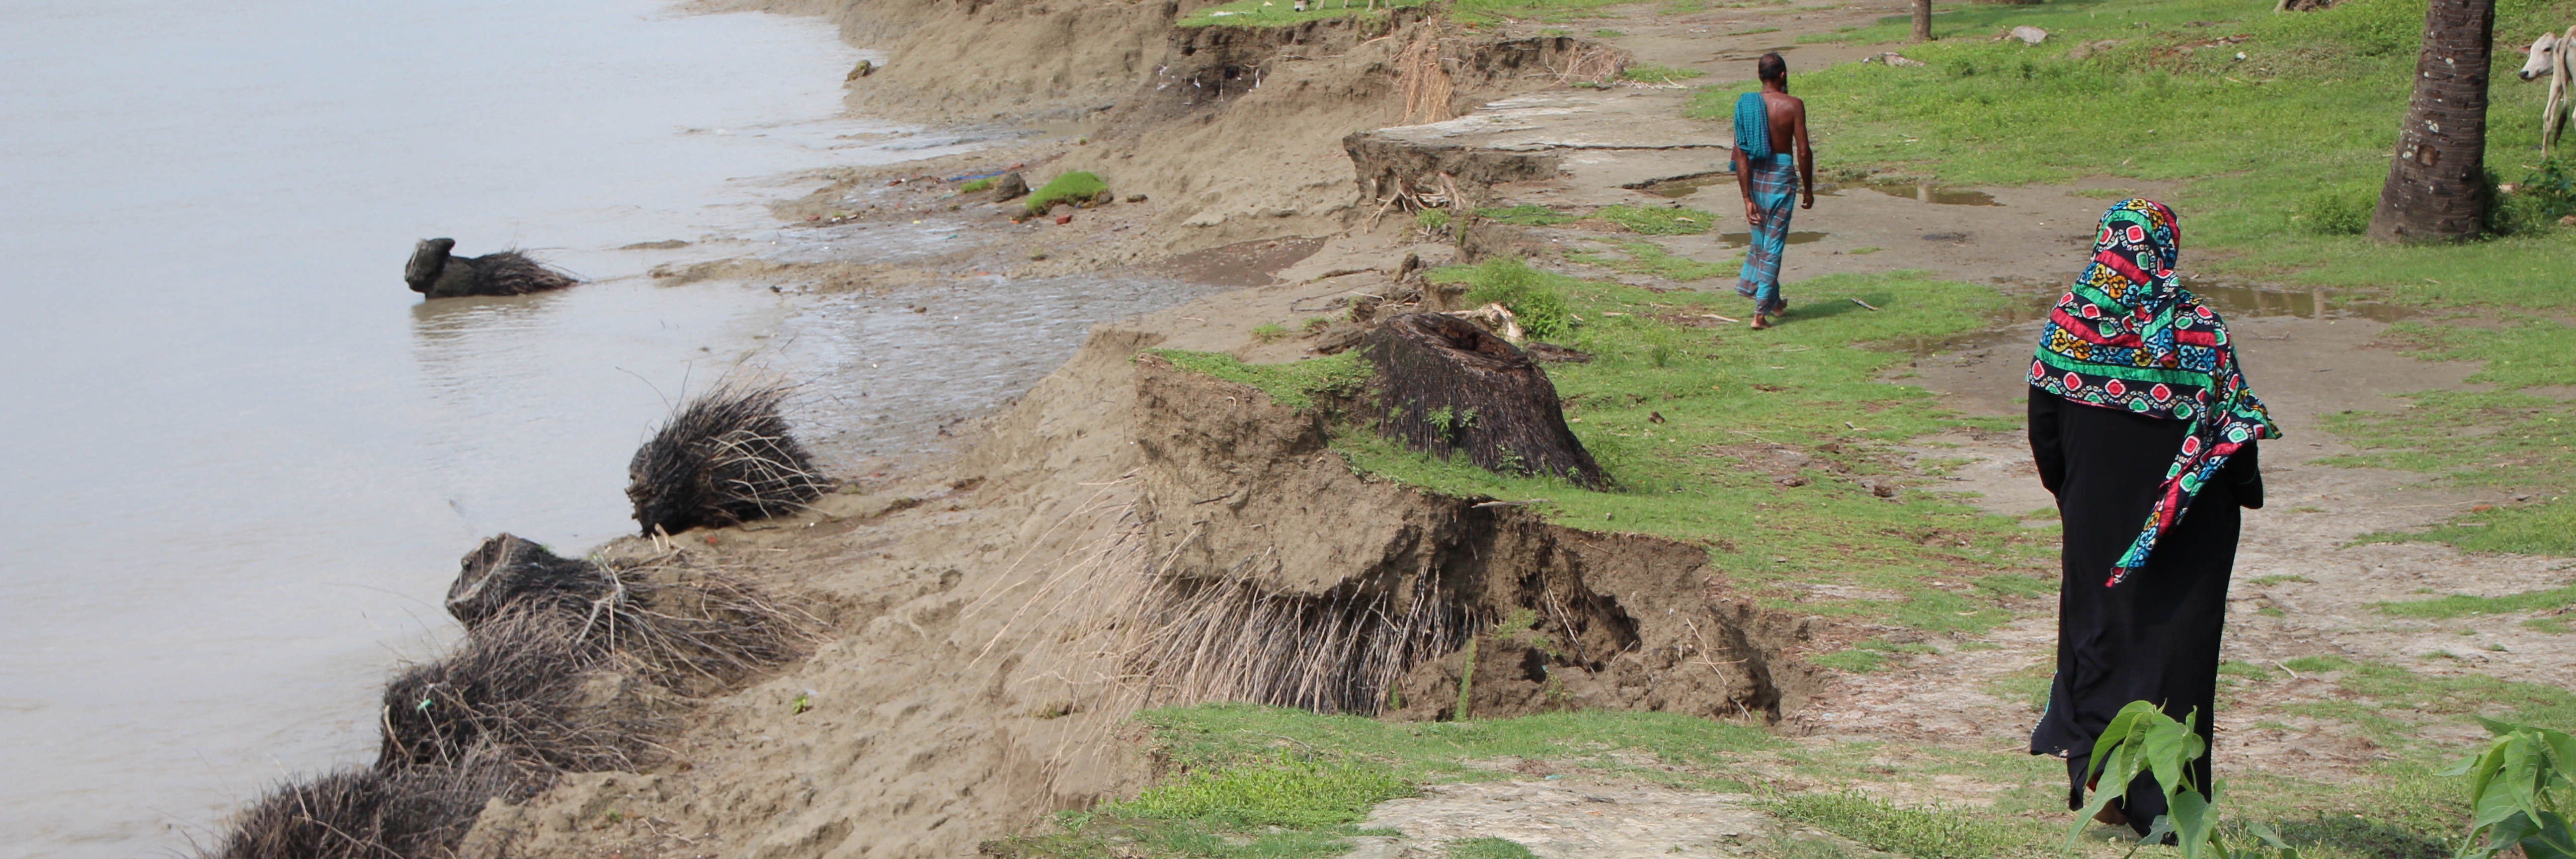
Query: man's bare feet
point(2110, 816)
point(1761, 321)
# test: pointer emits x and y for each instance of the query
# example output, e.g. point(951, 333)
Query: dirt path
point(2302, 588)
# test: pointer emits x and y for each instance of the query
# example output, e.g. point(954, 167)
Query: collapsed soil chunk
point(369, 814)
point(724, 459)
point(1445, 385)
point(435, 272)
point(508, 570)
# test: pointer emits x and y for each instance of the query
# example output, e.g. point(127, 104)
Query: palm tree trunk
point(1922, 20)
point(2436, 187)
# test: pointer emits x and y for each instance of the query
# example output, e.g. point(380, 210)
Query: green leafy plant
point(1432, 220)
point(1271, 332)
point(1077, 187)
point(2142, 740)
point(1528, 293)
point(2524, 790)
point(2336, 212)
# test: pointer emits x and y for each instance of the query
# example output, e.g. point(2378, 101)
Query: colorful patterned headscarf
point(2129, 336)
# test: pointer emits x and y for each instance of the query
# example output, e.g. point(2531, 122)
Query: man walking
point(1767, 124)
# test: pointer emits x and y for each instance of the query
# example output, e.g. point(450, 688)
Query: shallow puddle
point(1932, 194)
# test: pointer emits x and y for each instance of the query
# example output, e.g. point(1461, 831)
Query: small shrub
point(1077, 187)
point(984, 184)
point(2537, 202)
point(2337, 211)
point(1271, 332)
point(1432, 220)
point(1524, 291)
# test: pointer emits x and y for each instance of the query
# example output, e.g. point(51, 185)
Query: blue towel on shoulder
point(1752, 126)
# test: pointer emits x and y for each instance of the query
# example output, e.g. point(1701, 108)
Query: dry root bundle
point(1422, 76)
point(1230, 639)
point(678, 626)
point(725, 458)
point(370, 813)
point(519, 688)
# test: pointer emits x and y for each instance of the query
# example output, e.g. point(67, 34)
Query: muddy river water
point(238, 460)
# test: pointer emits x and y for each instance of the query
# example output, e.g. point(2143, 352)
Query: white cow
point(2554, 55)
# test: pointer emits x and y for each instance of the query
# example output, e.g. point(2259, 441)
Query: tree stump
point(1445, 385)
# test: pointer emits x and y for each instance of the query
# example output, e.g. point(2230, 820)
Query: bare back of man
point(1788, 134)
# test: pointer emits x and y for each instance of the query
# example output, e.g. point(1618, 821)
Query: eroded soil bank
point(1131, 535)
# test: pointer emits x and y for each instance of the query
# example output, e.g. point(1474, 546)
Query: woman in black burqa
point(2139, 416)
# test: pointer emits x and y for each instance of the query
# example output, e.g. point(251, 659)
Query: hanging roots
point(518, 688)
point(724, 459)
point(676, 625)
point(1422, 77)
point(409, 813)
point(1230, 639)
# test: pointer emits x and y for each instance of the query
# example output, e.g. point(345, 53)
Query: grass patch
point(1488, 848)
point(1531, 295)
point(2383, 698)
point(1286, 792)
point(1658, 73)
point(1217, 736)
point(1856, 661)
point(1297, 386)
point(1527, 215)
point(1077, 187)
point(2522, 354)
point(2496, 440)
point(984, 184)
point(1923, 833)
point(1643, 257)
point(2311, 110)
point(1681, 418)
point(1659, 221)
point(2463, 605)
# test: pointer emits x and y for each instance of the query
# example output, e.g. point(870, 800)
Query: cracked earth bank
point(2302, 587)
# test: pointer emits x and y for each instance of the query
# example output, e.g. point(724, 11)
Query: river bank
point(1840, 599)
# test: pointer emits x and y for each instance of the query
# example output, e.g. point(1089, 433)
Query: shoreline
point(963, 696)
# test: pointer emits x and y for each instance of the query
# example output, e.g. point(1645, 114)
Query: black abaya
point(2154, 637)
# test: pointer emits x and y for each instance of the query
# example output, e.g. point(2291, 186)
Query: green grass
point(1488, 848)
point(1658, 73)
point(1077, 187)
point(2313, 108)
point(2385, 698)
point(1643, 257)
point(984, 184)
point(1217, 736)
point(1725, 397)
point(1285, 792)
point(1527, 215)
point(1276, 13)
point(1537, 303)
point(2493, 440)
point(2463, 605)
point(2519, 354)
point(1658, 221)
point(1923, 833)
point(1297, 386)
